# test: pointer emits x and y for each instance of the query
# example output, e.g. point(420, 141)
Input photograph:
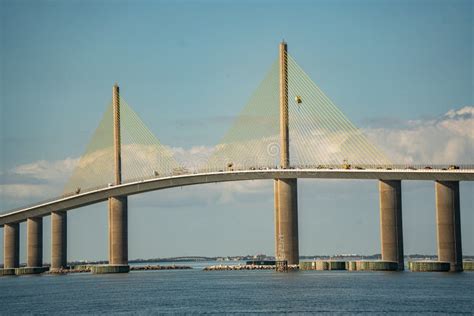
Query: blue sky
point(395, 68)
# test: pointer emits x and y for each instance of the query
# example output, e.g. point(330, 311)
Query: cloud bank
point(448, 139)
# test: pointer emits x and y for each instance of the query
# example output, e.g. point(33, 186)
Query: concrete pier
point(448, 222)
point(34, 235)
point(428, 266)
point(323, 265)
point(391, 232)
point(118, 231)
point(286, 217)
point(11, 246)
point(58, 240)
point(468, 265)
point(277, 217)
point(31, 270)
point(105, 269)
point(374, 265)
point(5, 271)
point(286, 190)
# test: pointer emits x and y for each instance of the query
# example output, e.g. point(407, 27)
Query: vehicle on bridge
point(346, 165)
point(180, 171)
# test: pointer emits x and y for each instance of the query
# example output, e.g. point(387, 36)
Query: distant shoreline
point(249, 258)
point(263, 258)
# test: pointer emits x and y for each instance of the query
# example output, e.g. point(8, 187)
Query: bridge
point(124, 158)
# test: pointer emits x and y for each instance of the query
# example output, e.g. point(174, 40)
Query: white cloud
point(47, 170)
point(210, 194)
point(447, 140)
point(233, 191)
point(192, 158)
point(460, 122)
point(467, 111)
point(35, 181)
point(25, 191)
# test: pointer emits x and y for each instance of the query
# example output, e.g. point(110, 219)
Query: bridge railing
point(184, 172)
point(348, 166)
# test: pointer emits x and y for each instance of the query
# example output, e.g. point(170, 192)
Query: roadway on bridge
point(153, 184)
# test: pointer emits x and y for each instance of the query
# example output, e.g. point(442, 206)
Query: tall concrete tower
point(286, 190)
point(117, 138)
point(118, 208)
point(284, 137)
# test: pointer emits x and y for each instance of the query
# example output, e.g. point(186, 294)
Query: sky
point(402, 71)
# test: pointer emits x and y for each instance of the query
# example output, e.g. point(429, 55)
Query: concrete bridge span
point(142, 186)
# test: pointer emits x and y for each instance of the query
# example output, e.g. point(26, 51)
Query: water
point(197, 291)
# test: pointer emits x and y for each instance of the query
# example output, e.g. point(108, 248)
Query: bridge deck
point(146, 185)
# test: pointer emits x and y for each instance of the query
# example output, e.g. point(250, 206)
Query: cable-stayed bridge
point(289, 129)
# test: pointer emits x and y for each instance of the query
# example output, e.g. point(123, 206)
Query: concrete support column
point(34, 234)
point(286, 220)
point(286, 190)
point(277, 217)
point(58, 240)
point(391, 232)
point(118, 206)
point(448, 222)
point(118, 230)
point(11, 246)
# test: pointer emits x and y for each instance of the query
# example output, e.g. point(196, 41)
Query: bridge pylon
point(118, 205)
point(286, 190)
